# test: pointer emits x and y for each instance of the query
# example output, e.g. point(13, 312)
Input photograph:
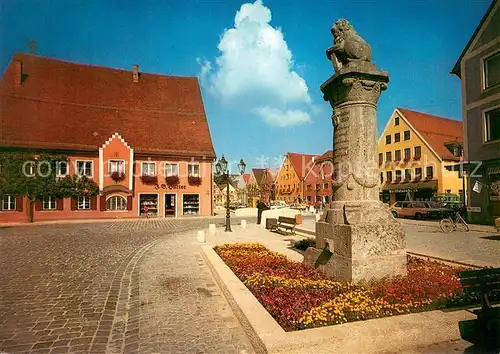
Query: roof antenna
point(32, 46)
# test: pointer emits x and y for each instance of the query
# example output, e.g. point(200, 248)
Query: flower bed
point(300, 297)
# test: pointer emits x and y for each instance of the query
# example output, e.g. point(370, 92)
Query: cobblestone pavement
point(76, 288)
point(477, 248)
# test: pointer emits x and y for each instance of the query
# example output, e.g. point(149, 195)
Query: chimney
point(18, 73)
point(135, 74)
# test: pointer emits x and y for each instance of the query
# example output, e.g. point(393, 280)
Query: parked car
point(278, 204)
point(298, 206)
point(417, 210)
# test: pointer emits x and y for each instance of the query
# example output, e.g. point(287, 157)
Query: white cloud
point(255, 70)
point(280, 118)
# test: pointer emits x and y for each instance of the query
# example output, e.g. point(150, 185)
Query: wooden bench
point(285, 223)
point(485, 330)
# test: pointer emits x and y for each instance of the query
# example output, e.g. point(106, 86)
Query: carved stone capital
point(355, 85)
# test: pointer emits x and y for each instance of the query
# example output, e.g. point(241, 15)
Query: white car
point(278, 204)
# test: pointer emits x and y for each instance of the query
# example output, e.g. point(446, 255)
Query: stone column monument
point(358, 231)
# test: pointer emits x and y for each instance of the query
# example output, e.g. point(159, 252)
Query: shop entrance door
point(170, 203)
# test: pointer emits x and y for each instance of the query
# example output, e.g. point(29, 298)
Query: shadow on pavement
point(494, 237)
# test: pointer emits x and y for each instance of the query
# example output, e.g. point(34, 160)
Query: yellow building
point(414, 149)
point(289, 182)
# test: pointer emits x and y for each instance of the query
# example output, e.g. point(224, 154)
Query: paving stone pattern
point(76, 288)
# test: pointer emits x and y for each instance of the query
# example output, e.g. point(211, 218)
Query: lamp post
point(221, 169)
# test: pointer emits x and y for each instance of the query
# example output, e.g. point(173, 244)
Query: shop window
point(408, 174)
point(407, 154)
point(396, 121)
point(9, 202)
point(389, 176)
point(418, 173)
point(148, 203)
point(492, 70)
point(193, 170)
point(148, 169)
point(397, 155)
point(61, 168)
point(387, 139)
point(171, 169)
point(191, 204)
point(83, 203)
point(84, 168)
point(116, 202)
point(398, 176)
point(116, 166)
point(380, 159)
point(407, 135)
point(49, 203)
point(492, 125)
point(388, 156)
point(429, 172)
point(417, 153)
point(397, 137)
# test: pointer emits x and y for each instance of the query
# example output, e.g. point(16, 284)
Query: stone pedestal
point(366, 241)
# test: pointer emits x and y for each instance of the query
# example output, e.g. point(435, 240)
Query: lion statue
point(348, 46)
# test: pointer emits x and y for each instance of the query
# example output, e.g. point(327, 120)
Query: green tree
point(34, 176)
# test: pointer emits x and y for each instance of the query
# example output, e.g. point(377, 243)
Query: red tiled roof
point(301, 162)
point(326, 156)
point(435, 130)
point(319, 164)
point(66, 105)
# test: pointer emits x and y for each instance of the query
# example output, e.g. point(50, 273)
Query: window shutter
point(19, 203)
point(38, 205)
point(74, 204)
point(60, 204)
point(93, 202)
point(102, 202)
point(130, 200)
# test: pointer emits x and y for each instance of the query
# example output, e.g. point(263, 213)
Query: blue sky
point(260, 64)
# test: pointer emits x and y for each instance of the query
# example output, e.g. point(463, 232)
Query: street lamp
point(222, 170)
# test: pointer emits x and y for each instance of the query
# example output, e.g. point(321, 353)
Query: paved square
point(125, 286)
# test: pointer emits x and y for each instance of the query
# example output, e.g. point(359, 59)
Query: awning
point(410, 186)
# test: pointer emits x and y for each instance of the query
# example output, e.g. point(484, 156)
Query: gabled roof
point(326, 156)
point(246, 177)
point(70, 106)
point(435, 130)
point(301, 162)
point(456, 67)
point(261, 175)
point(258, 173)
point(319, 162)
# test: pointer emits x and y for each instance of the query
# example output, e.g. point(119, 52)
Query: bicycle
point(454, 223)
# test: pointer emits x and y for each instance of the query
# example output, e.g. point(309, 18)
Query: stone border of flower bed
point(389, 334)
